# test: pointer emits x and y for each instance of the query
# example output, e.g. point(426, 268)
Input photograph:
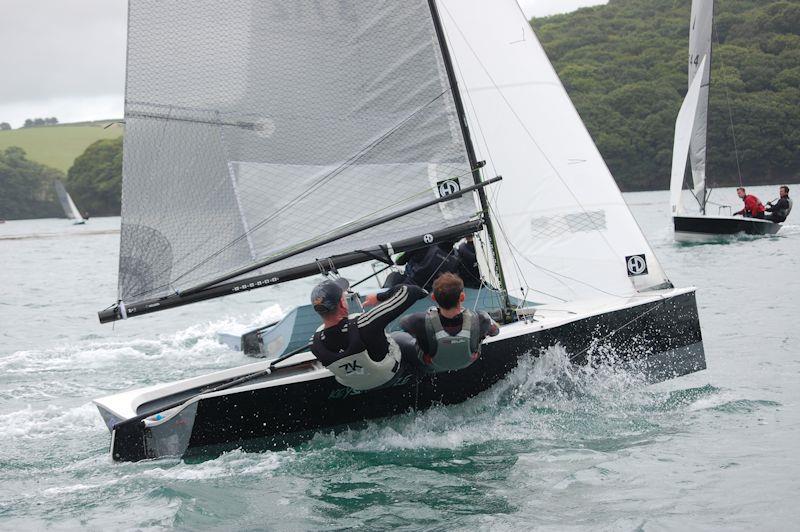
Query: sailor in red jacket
point(753, 208)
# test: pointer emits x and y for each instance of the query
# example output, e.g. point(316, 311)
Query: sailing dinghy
point(691, 138)
point(70, 210)
point(275, 140)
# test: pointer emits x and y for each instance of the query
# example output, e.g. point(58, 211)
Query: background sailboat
point(282, 140)
point(691, 138)
point(70, 210)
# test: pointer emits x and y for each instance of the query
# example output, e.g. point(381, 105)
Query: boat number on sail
point(637, 265)
point(448, 187)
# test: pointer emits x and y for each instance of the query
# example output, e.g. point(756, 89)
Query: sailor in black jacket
point(357, 349)
point(781, 209)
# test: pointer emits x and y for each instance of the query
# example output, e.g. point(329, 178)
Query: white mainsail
point(70, 209)
point(700, 47)
point(684, 127)
point(563, 228)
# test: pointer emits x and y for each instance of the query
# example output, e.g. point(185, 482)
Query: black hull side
point(723, 226)
point(663, 337)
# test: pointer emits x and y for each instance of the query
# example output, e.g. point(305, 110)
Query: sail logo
point(448, 187)
point(637, 265)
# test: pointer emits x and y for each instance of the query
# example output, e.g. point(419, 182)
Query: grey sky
point(66, 58)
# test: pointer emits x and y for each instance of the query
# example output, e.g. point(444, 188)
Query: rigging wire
point(730, 109)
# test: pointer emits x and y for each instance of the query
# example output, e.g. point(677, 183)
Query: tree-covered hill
point(26, 187)
point(624, 65)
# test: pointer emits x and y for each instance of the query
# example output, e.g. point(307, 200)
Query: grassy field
point(58, 146)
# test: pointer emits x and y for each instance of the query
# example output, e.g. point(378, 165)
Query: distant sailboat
point(70, 209)
point(690, 142)
point(275, 140)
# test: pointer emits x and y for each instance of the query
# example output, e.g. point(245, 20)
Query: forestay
point(683, 134)
point(564, 228)
point(700, 47)
point(264, 126)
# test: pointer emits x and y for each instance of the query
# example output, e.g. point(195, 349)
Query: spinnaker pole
point(476, 166)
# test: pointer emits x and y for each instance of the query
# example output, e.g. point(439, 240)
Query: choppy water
point(552, 447)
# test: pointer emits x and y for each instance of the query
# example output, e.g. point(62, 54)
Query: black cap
point(326, 295)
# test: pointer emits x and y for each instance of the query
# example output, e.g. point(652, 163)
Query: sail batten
point(257, 128)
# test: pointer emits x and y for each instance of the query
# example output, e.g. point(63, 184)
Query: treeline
point(94, 181)
point(36, 122)
point(624, 65)
point(27, 187)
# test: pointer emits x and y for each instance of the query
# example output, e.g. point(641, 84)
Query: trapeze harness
point(450, 353)
point(358, 370)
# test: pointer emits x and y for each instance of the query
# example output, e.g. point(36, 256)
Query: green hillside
point(58, 146)
point(624, 65)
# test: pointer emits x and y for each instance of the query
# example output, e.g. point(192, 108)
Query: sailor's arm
point(488, 326)
point(390, 305)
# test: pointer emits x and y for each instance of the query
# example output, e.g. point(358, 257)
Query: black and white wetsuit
point(366, 357)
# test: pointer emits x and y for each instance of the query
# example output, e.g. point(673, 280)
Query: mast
point(475, 165)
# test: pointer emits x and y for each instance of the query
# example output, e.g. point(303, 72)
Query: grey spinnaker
point(312, 116)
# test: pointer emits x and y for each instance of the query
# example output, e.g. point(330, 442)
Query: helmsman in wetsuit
point(449, 337)
point(781, 209)
point(356, 349)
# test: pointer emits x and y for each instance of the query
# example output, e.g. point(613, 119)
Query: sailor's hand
point(769, 203)
point(370, 300)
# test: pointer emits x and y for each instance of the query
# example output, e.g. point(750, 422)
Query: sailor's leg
point(409, 352)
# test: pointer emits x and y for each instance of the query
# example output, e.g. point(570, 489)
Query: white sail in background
point(70, 210)
point(563, 226)
point(699, 47)
point(684, 127)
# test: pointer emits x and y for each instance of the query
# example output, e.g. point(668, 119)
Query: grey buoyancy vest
point(358, 370)
point(448, 352)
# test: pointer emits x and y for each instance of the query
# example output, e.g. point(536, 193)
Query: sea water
point(551, 447)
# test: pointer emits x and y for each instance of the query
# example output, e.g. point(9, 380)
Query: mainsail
point(563, 228)
point(267, 126)
point(702, 20)
point(684, 127)
point(70, 209)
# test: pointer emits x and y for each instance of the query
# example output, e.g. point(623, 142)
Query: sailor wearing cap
point(357, 349)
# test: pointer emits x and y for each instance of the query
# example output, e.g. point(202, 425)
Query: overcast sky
point(66, 58)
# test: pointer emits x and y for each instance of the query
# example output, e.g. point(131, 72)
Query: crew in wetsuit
point(780, 211)
point(356, 349)
point(449, 337)
point(753, 208)
point(422, 266)
point(468, 263)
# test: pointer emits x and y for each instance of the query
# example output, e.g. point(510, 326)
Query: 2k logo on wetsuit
point(352, 367)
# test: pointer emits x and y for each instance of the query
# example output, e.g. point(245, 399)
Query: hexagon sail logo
point(637, 265)
point(448, 187)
